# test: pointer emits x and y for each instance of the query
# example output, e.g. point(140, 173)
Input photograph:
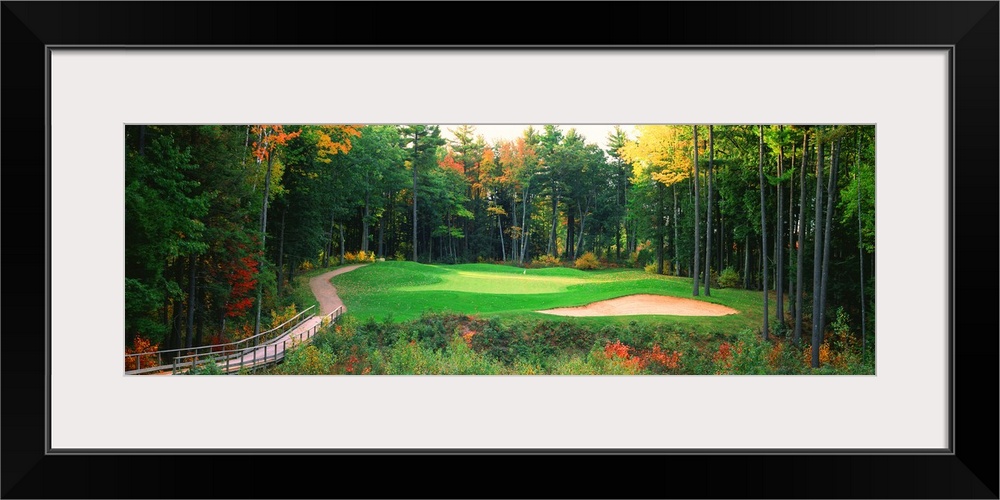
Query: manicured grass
point(408, 319)
point(403, 290)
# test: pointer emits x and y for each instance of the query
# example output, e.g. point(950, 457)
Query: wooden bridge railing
point(253, 358)
point(249, 342)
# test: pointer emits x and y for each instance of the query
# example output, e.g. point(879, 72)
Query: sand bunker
point(644, 304)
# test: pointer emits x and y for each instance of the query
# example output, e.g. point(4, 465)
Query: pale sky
point(596, 134)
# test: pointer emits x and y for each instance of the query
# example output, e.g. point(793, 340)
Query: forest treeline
point(220, 219)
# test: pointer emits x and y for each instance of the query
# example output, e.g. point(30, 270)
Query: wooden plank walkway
point(273, 351)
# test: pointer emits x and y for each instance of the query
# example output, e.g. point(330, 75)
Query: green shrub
point(729, 278)
point(409, 358)
point(573, 366)
point(644, 256)
point(846, 346)
point(206, 367)
point(587, 261)
point(460, 359)
point(308, 360)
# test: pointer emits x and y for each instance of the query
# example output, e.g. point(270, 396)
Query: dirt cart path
point(326, 293)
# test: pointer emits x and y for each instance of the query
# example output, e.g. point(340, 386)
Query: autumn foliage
point(359, 258)
point(619, 353)
point(824, 354)
point(588, 261)
point(661, 358)
point(723, 357)
point(269, 137)
point(450, 163)
point(655, 360)
point(775, 354)
point(467, 337)
point(141, 345)
point(335, 139)
point(241, 276)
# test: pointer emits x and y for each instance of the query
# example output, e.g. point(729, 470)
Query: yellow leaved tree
point(660, 155)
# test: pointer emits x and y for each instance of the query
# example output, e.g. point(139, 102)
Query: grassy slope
point(403, 290)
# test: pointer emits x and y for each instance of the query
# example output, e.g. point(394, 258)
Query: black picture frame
point(968, 471)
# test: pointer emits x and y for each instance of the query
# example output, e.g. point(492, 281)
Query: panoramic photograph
point(499, 249)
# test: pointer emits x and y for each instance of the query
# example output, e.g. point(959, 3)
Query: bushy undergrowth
point(205, 367)
point(729, 278)
point(362, 257)
point(544, 260)
point(587, 261)
point(457, 344)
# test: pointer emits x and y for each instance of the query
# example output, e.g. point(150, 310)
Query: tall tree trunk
point(697, 211)
point(624, 219)
point(524, 218)
point(416, 159)
point(329, 242)
point(513, 217)
point(618, 240)
point(364, 223)
point(831, 195)
point(553, 246)
point(177, 326)
point(763, 225)
point(817, 333)
point(673, 222)
point(175, 308)
point(779, 261)
point(414, 205)
point(723, 252)
point(791, 233)
point(660, 230)
point(165, 319)
point(861, 252)
point(570, 233)
point(801, 241)
point(452, 247)
point(222, 323)
point(708, 219)
point(503, 249)
point(142, 140)
point(281, 250)
point(263, 238)
point(342, 245)
point(327, 248)
point(746, 263)
point(246, 145)
point(192, 299)
point(381, 236)
point(199, 328)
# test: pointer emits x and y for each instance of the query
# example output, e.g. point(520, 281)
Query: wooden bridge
point(254, 353)
point(243, 356)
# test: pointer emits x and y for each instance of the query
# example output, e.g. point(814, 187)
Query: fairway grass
point(402, 291)
point(498, 283)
